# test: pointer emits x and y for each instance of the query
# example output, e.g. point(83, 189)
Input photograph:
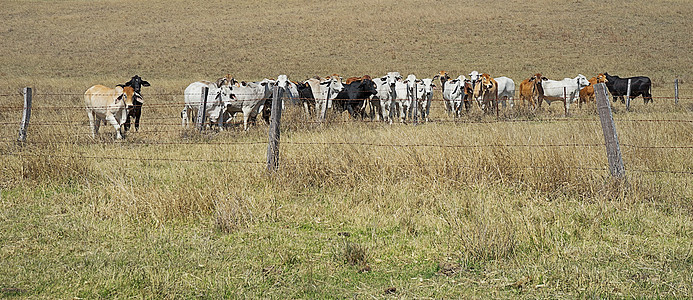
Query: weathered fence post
point(202, 110)
point(275, 120)
point(628, 97)
point(565, 101)
point(613, 150)
point(676, 91)
point(26, 115)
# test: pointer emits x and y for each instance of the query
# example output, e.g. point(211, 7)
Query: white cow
point(425, 97)
point(566, 90)
point(382, 100)
point(324, 91)
point(474, 79)
point(506, 90)
point(248, 98)
point(107, 104)
point(216, 97)
point(404, 101)
point(453, 94)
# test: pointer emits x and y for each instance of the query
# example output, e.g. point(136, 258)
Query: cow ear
point(119, 98)
point(145, 83)
point(138, 97)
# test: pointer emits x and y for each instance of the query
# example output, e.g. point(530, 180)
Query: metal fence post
point(613, 150)
point(202, 110)
point(26, 115)
point(275, 120)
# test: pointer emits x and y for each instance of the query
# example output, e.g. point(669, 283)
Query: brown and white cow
point(104, 103)
point(587, 93)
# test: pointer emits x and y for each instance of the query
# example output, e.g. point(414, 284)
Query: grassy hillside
point(519, 206)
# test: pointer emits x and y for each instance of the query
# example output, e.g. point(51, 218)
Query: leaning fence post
point(275, 120)
point(415, 103)
point(26, 115)
point(628, 96)
point(676, 91)
point(613, 150)
point(202, 110)
point(565, 100)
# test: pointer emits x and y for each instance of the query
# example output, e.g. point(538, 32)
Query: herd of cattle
point(387, 98)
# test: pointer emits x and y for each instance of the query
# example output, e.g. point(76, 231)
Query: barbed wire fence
point(272, 162)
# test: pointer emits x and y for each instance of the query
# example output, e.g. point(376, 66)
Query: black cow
point(354, 95)
point(639, 85)
point(136, 83)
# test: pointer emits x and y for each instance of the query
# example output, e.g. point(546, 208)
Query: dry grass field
point(515, 206)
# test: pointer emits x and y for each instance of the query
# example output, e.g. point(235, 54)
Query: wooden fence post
point(275, 120)
point(26, 115)
point(628, 97)
point(613, 150)
point(676, 91)
point(202, 110)
point(565, 100)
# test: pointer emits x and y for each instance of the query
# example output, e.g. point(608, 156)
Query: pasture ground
point(479, 207)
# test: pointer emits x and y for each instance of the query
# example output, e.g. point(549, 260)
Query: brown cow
point(487, 89)
point(531, 90)
point(587, 93)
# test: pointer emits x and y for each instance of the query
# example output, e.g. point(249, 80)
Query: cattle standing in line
point(639, 85)
point(136, 83)
point(566, 90)
point(107, 104)
point(354, 95)
point(216, 97)
point(587, 93)
point(531, 90)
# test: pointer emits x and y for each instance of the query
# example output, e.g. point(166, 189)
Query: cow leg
point(137, 120)
point(112, 120)
point(184, 117)
point(94, 123)
point(126, 125)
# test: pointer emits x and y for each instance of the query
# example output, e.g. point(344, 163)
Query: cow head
point(334, 85)
point(428, 86)
point(601, 78)
point(127, 95)
point(136, 83)
point(367, 85)
point(582, 81)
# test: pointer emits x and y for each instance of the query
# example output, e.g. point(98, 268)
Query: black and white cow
point(639, 85)
point(136, 83)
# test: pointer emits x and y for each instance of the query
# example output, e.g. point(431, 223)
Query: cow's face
point(428, 85)
point(582, 80)
point(487, 81)
point(127, 95)
point(474, 76)
point(601, 78)
point(136, 82)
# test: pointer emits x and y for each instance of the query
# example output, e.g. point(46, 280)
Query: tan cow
point(487, 90)
point(104, 103)
point(531, 90)
point(587, 93)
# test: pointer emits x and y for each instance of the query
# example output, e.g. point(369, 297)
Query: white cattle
point(425, 97)
point(382, 100)
point(247, 99)
point(216, 97)
point(289, 90)
point(107, 104)
point(324, 91)
point(566, 90)
point(453, 94)
point(506, 90)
